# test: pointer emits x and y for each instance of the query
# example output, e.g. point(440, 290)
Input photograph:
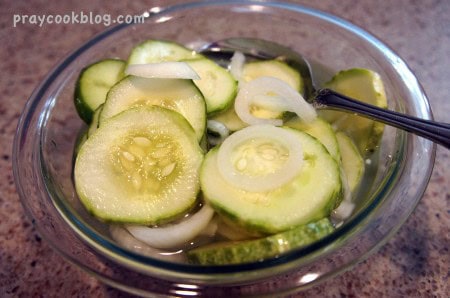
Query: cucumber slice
point(273, 68)
point(179, 95)
point(95, 121)
point(251, 71)
point(311, 195)
point(94, 83)
point(141, 166)
point(162, 70)
point(152, 51)
point(321, 130)
point(352, 161)
point(230, 231)
point(271, 75)
point(230, 119)
point(260, 158)
point(364, 85)
point(216, 84)
point(238, 252)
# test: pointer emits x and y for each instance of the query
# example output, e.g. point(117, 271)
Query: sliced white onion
point(345, 186)
point(163, 70)
point(126, 240)
point(219, 128)
point(344, 210)
point(271, 102)
point(211, 229)
point(268, 181)
point(174, 235)
point(261, 91)
point(237, 65)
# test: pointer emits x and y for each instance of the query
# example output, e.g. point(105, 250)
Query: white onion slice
point(267, 181)
point(261, 90)
point(237, 65)
point(345, 186)
point(344, 210)
point(174, 235)
point(219, 128)
point(163, 70)
point(211, 229)
point(125, 239)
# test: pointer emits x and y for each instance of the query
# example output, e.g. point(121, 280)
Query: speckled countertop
point(414, 263)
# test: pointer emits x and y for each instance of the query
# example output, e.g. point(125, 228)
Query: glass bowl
point(49, 127)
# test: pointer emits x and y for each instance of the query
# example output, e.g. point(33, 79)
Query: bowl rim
point(207, 271)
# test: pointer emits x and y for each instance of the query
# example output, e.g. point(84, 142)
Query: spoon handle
point(434, 131)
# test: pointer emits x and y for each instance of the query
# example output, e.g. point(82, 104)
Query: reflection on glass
point(308, 277)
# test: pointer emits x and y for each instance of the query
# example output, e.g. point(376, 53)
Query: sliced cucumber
point(216, 84)
point(254, 70)
point(266, 98)
point(179, 95)
point(238, 252)
point(273, 68)
point(352, 161)
point(230, 119)
point(260, 158)
point(95, 121)
point(141, 166)
point(163, 70)
point(230, 231)
point(151, 51)
point(311, 195)
point(364, 85)
point(94, 83)
point(321, 130)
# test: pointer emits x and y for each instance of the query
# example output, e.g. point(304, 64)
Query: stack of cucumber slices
point(226, 166)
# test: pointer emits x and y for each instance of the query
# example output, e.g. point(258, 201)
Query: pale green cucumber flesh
point(239, 252)
point(216, 84)
point(321, 130)
point(276, 69)
point(311, 195)
point(352, 161)
point(141, 166)
point(230, 119)
point(94, 83)
point(273, 68)
point(95, 121)
point(154, 51)
point(178, 95)
point(364, 85)
point(253, 70)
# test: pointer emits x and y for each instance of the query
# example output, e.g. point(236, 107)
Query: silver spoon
point(222, 51)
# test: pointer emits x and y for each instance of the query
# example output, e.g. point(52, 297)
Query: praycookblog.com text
point(81, 17)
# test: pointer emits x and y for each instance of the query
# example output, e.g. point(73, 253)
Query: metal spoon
point(222, 51)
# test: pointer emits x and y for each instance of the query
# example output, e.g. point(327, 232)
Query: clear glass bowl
point(49, 126)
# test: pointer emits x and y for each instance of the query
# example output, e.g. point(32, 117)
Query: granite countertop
point(415, 262)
